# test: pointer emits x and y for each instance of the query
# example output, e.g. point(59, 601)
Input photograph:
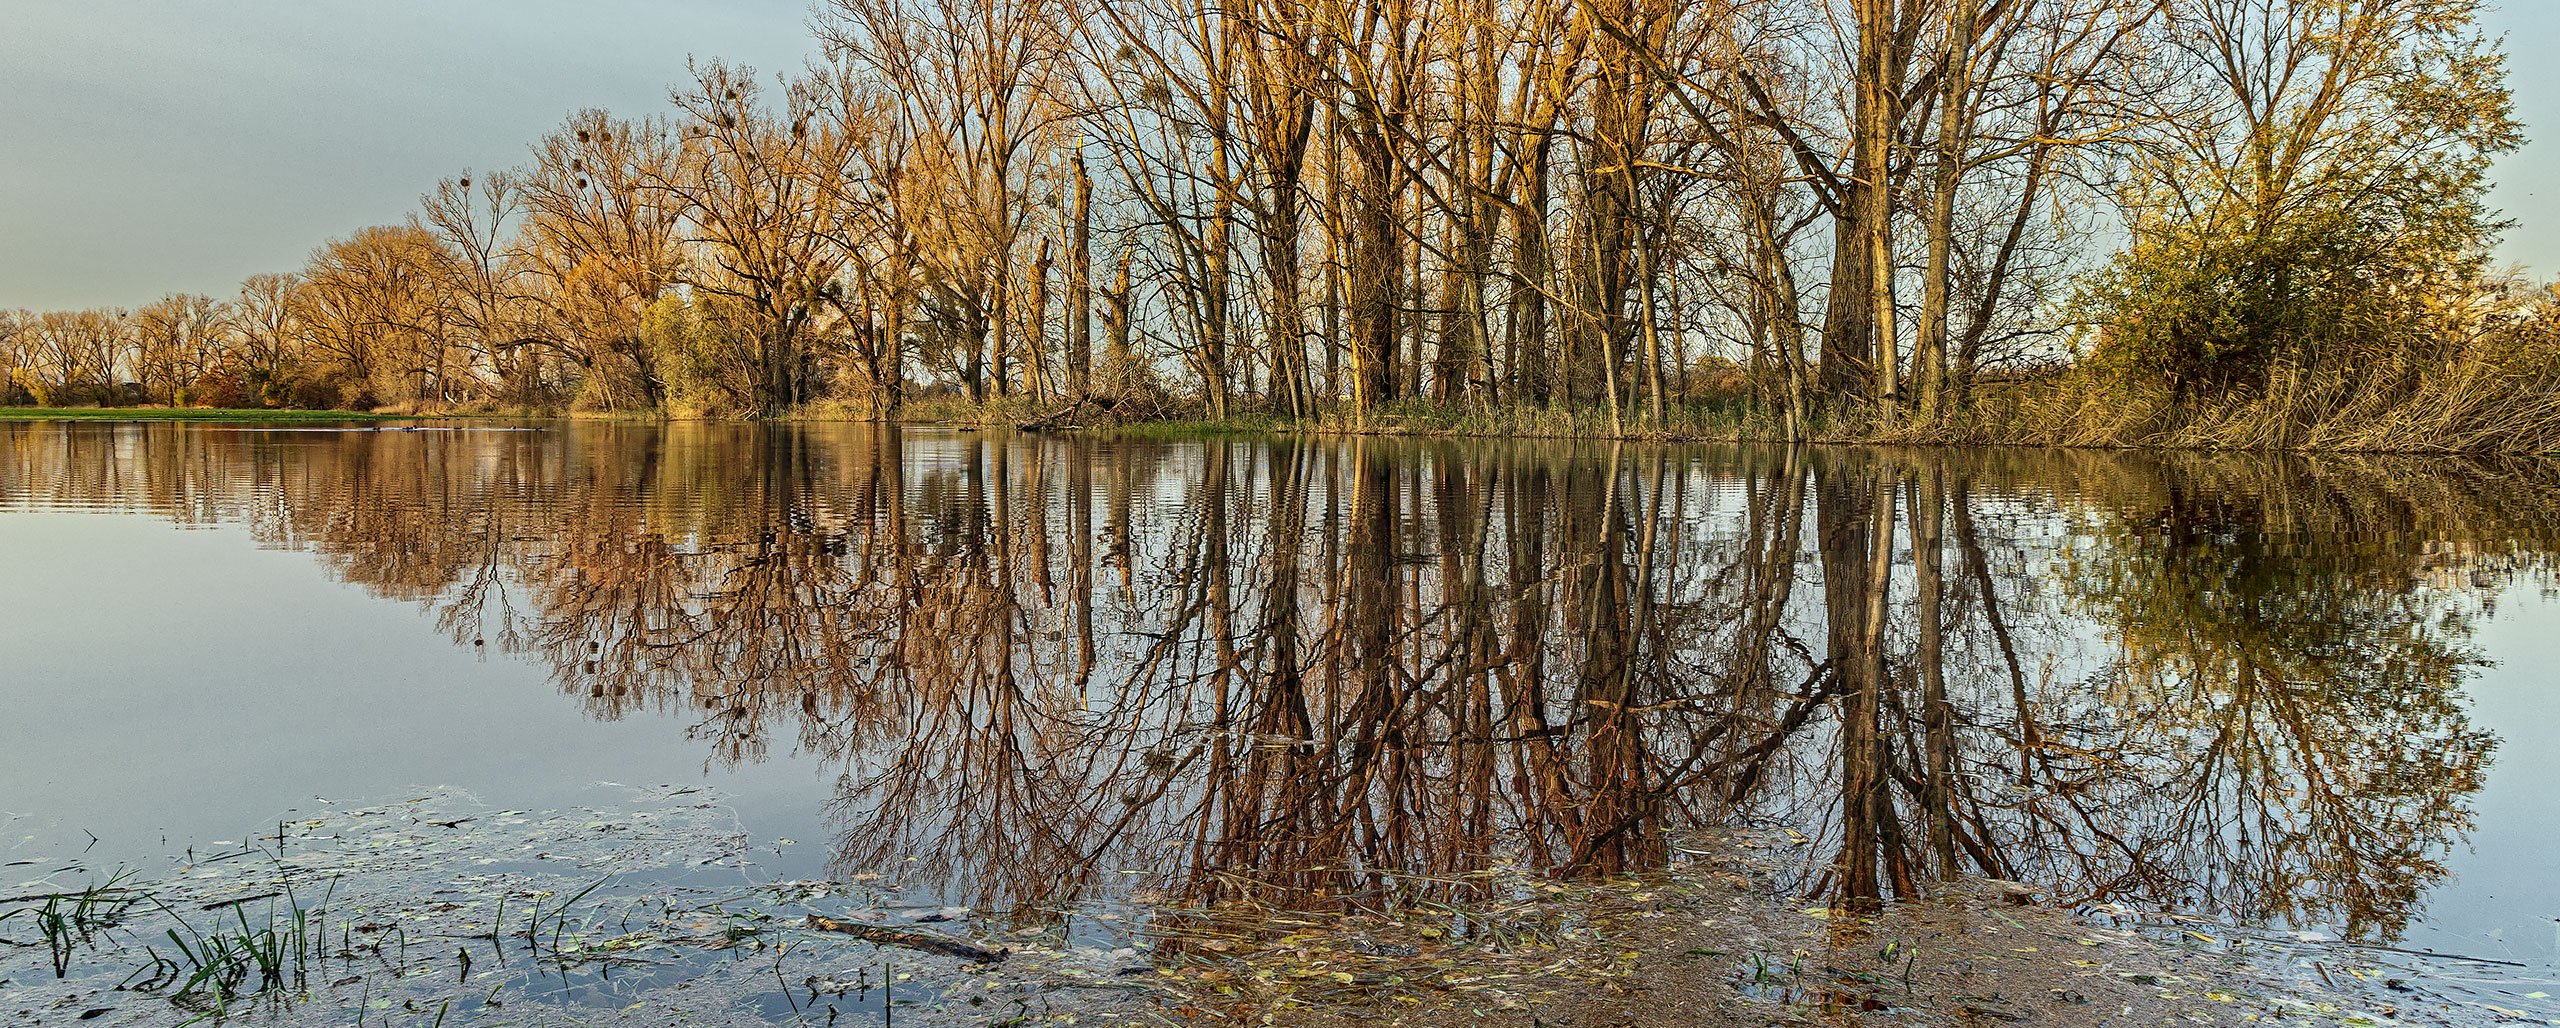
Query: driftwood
point(884, 936)
point(2016, 894)
point(1064, 417)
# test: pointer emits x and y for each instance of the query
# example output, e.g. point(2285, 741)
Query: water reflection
point(1308, 673)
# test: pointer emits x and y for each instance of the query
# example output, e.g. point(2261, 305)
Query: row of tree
point(1310, 205)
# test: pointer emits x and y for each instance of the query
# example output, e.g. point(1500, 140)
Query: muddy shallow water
point(1070, 690)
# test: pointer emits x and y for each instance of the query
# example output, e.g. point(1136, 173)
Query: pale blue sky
point(151, 146)
point(2529, 180)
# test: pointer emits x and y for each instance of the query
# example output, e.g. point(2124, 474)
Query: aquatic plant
point(69, 921)
point(211, 968)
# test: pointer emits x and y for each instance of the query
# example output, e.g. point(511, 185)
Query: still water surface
point(1058, 672)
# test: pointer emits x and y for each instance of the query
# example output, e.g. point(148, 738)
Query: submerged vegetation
point(435, 907)
point(2220, 223)
point(392, 941)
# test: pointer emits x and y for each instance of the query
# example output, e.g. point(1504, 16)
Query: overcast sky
point(157, 146)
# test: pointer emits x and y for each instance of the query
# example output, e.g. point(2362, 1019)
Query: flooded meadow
point(841, 724)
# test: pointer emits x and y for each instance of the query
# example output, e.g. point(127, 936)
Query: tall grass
point(2477, 402)
point(2497, 392)
point(2471, 406)
point(960, 410)
point(1202, 428)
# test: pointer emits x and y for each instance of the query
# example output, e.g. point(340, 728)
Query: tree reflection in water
point(1311, 673)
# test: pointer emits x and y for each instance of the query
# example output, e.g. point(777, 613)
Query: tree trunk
point(1955, 121)
point(1080, 289)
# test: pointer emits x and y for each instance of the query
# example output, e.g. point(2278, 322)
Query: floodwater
point(1066, 673)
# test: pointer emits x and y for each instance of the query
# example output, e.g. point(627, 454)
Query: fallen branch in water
point(219, 904)
point(878, 935)
point(1064, 417)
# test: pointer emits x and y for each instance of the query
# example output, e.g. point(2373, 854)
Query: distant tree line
point(1330, 206)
